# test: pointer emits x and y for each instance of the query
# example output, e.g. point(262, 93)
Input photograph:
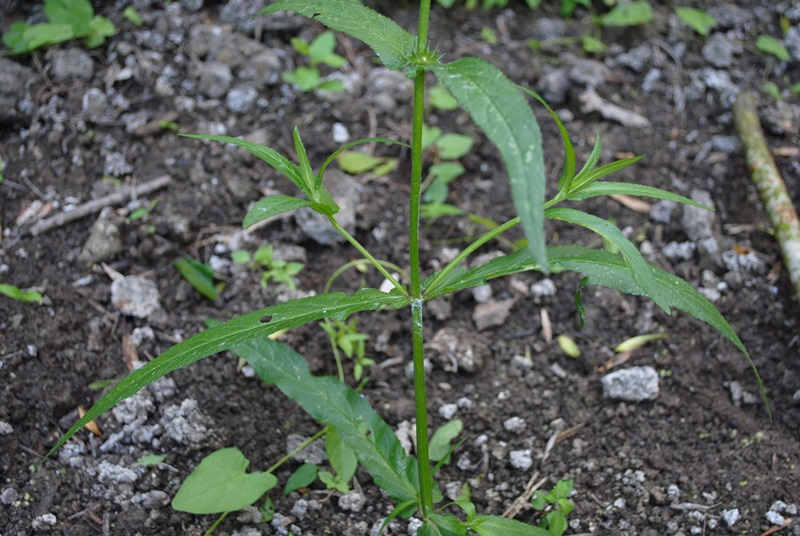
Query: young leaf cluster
point(319, 51)
point(66, 20)
point(273, 268)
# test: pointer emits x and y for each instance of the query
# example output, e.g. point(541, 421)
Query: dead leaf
point(786, 151)
point(92, 426)
point(633, 203)
point(129, 353)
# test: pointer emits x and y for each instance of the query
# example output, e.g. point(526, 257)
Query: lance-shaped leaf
point(503, 526)
point(498, 108)
point(267, 207)
point(390, 42)
point(568, 169)
point(237, 331)
point(586, 179)
point(624, 188)
point(276, 160)
point(610, 232)
point(331, 402)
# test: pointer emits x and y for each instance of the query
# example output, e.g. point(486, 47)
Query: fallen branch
point(96, 205)
point(770, 185)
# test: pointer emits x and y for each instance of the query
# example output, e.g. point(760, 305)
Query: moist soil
point(702, 457)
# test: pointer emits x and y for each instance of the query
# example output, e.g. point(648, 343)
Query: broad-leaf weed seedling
point(319, 51)
point(273, 269)
point(555, 507)
point(501, 110)
point(15, 293)
point(67, 20)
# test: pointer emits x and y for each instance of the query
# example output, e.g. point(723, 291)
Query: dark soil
point(684, 463)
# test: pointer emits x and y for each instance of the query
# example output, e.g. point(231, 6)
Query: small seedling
point(15, 293)
point(627, 14)
point(274, 269)
point(67, 20)
point(441, 444)
point(700, 21)
point(345, 336)
point(132, 16)
point(343, 463)
point(555, 506)
point(770, 45)
point(319, 51)
point(200, 275)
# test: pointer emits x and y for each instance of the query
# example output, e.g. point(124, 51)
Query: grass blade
point(497, 107)
point(624, 188)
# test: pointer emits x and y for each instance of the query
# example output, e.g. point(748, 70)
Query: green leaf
point(14, 38)
point(452, 146)
point(700, 21)
point(430, 135)
point(321, 47)
point(441, 441)
point(276, 161)
point(502, 526)
point(442, 99)
point(132, 16)
point(380, 168)
point(99, 29)
point(300, 45)
point(40, 35)
point(585, 179)
point(341, 457)
point(199, 275)
point(241, 329)
point(592, 45)
point(306, 174)
point(770, 45)
point(562, 489)
point(220, 484)
point(591, 162)
point(558, 524)
point(390, 42)
point(267, 207)
point(624, 188)
point(497, 107)
point(29, 296)
point(334, 86)
point(632, 14)
point(73, 13)
point(569, 166)
point(639, 267)
point(579, 308)
point(446, 525)
point(329, 401)
point(304, 476)
point(151, 459)
point(305, 78)
point(355, 162)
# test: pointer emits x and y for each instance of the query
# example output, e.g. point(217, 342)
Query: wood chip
point(92, 426)
point(633, 203)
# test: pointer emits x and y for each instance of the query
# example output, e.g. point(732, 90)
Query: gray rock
point(9, 496)
point(554, 86)
point(15, 80)
point(700, 226)
point(492, 313)
point(661, 212)
point(720, 81)
point(108, 473)
point(185, 423)
point(263, 69)
point(6, 428)
point(792, 42)
point(457, 349)
point(241, 100)
point(448, 411)
point(726, 144)
point(70, 64)
point(135, 296)
point(637, 58)
point(94, 104)
point(192, 5)
point(314, 453)
point(151, 500)
point(44, 522)
point(542, 288)
point(116, 165)
point(214, 79)
point(719, 50)
point(516, 425)
point(241, 14)
point(346, 192)
point(521, 459)
point(774, 518)
point(353, 501)
point(388, 89)
point(104, 242)
point(682, 251)
point(731, 16)
point(482, 294)
point(136, 407)
point(549, 28)
point(589, 73)
point(781, 118)
point(730, 517)
point(633, 384)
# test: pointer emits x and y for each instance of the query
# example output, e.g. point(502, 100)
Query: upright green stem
point(420, 401)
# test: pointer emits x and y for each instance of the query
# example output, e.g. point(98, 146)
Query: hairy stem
point(420, 401)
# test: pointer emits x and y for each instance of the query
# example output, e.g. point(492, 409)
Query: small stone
point(414, 525)
point(719, 50)
point(353, 501)
point(111, 474)
point(516, 425)
point(313, 453)
point(633, 384)
point(730, 517)
point(6, 428)
point(9, 496)
point(774, 518)
point(135, 296)
point(94, 104)
point(116, 165)
point(521, 459)
point(448, 411)
point(726, 144)
point(340, 133)
point(346, 192)
point(547, 28)
point(679, 251)
point(458, 349)
point(589, 73)
point(554, 85)
point(492, 313)
point(545, 287)
point(636, 59)
point(155, 499)
point(14, 84)
point(241, 100)
point(215, 79)
point(482, 294)
point(104, 242)
point(70, 64)
point(185, 423)
point(44, 522)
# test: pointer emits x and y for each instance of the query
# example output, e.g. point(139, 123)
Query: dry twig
point(96, 205)
point(771, 188)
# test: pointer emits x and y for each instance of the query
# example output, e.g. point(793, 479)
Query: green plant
point(200, 275)
point(700, 21)
point(501, 110)
point(319, 51)
point(67, 20)
point(274, 269)
point(344, 336)
point(770, 45)
point(555, 507)
point(15, 293)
